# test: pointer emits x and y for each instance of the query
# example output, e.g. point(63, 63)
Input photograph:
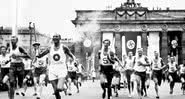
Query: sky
point(54, 16)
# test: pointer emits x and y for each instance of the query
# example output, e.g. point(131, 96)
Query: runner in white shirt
point(80, 73)
point(72, 75)
point(140, 72)
point(129, 70)
point(16, 67)
point(157, 65)
point(57, 69)
point(28, 79)
point(4, 64)
point(116, 78)
point(182, 77)
point(172, 69)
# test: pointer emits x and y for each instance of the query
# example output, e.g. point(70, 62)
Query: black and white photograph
point(92, 49)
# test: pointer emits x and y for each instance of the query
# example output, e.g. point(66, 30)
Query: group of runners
point(55, 64)
point(58, 66)
point(138, 70)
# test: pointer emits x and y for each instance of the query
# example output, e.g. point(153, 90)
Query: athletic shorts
point(157, 74)
point(107, 72)
point(106, 69)
point(174, 76)
point(128, 74)
point(79, 75)
point(16, 71)
point(72, 75)
point(142, 75)
point(4, 71)
point(57, 71)
point(39, 71)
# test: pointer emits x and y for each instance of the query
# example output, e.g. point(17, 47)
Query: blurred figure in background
point(93, 75)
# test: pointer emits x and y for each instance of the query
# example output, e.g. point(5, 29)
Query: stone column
point(164, 45)
point(118, 45)
point(144, 41)
point(183, 44)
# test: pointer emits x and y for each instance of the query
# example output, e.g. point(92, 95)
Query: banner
point(131, 42)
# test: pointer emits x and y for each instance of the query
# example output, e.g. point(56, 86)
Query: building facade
point(131, 26)
point(26, 38)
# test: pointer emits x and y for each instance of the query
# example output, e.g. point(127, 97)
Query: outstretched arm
point(43, 53)
point(68, 52)
point(24, 52)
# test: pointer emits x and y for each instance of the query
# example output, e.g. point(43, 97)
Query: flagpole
point(15, 17)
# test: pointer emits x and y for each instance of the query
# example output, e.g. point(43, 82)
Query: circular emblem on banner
point(87, 43)
point(130, 44)
point(56, 57)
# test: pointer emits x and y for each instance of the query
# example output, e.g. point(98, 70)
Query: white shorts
point(56, 72)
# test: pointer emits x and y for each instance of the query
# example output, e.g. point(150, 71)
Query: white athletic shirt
point(172, 67)
point(156, 64)
point(71, 67)
point(57, 56)
point(16, 52)
point(182, 69)
point(104, 58)
point(80, 68)
point(138, 67)
point(4, 59)
point(129, 63)
point(27, 64)
point(57, 59)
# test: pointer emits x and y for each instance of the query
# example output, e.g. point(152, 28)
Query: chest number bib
point(105, 61)
point(56, 57)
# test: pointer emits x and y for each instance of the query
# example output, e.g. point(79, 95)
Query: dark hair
point(15, 37)
point(58, 35)
point(106, 40)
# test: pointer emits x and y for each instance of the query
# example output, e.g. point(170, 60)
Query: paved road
point(91, 90)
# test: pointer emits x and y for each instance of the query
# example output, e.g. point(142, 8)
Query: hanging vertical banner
point(131, 42)
point(123, 46)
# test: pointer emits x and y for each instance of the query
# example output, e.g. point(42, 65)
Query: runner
point(72, 75)
point(172, 69)
point(129, 70)
point(16, 67)
point(157, 65)
point(4, 65)
point(107, 59)
point(80, 73)
point(182, 77)
point(57, 70)
point(140, 72)
point(28, 79)
point(116, 78)
point(93, 75)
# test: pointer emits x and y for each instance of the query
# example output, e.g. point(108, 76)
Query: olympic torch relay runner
point(57, 70)
point(16, 67)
